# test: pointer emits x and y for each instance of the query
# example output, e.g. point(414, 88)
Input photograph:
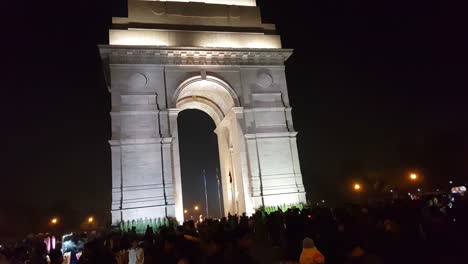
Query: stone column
point(242, 161)
point(233, 158)
point(276, 176)
point(176, 174)
point(225, 168)
point(255, 172)
point(116, 208)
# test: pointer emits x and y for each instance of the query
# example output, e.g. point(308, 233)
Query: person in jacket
point(310, 254)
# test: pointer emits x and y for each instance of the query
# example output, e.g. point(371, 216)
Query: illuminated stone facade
point(215, 56)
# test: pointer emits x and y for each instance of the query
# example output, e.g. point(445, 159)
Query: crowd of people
point(426, 230)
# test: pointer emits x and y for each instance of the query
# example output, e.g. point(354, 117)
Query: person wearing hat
point(310, 254)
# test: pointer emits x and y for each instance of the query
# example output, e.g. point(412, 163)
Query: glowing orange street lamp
point(357, 187)
point(413, 176)
point(185, 211)
point(196, 208)
point(54, 221)
point(90, 219)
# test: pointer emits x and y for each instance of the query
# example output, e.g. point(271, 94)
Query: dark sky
point(198, 146)
point(378, 88)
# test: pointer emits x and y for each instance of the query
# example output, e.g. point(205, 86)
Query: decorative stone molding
point(204, 77)
point(121, 54)
point(264, 79)
point(138, 80)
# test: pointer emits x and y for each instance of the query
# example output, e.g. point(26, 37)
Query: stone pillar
point(243, 161)
point(233, 159)
point(141, 191)
point(276, 177)
point(137, 158)
point(116, 207)
point(255, 172)
point(225, 167)
point(176, 174)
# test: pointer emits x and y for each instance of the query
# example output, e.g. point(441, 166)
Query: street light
point(54, 221)
point(185, 211)
point(357, 187)
point(90, 219)
point(413, 176)
point(196, 208)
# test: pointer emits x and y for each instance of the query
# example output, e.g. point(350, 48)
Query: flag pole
point(219, 195)
point(206, 194)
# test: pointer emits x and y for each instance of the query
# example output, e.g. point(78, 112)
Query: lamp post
point(357, 188)
point(54, 225)
point(54, 221)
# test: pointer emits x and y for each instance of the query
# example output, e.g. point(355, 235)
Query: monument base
point(280, 199)
point(150, 212)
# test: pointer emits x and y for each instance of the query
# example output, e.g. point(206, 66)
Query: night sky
point(198, 146)
point(378, 89)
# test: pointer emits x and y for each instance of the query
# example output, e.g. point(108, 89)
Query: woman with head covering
point(310, 254)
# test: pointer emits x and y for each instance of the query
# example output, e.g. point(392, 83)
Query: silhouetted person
point(56, 256)
point(149, 232)
point(38, 253)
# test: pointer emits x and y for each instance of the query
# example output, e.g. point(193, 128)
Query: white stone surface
point(138, 37)
point(220, 2)
point(192, 13)
point(242, 88)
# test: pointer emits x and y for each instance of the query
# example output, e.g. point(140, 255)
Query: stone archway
point(217, 99)
point(159, 63)
point(206, 93)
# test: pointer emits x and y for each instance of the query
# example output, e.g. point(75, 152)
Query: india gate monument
point(215, 56)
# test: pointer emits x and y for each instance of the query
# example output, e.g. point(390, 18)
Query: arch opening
point(208, 94)
point(218, 100)
point(199, 164)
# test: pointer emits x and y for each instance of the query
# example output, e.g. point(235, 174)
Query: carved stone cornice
point(121, 54)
